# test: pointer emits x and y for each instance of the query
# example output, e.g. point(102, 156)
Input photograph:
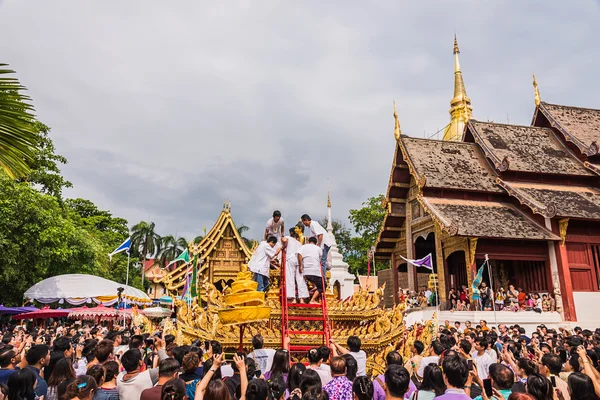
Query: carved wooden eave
point(545, 210)
point(207, 245)
point(592, 167)
point(586, 150)
point(449, 227)
point(500, 164)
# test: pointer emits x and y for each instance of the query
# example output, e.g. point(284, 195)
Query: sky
point(167, 109)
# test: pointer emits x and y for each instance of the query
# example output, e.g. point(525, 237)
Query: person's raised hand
point(240, 363)
point(218, 360)
point(496, 394)
point(559, 394)
point(581, 352)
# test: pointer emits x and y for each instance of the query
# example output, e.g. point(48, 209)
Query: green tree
point(18, 137)
point(145, 241)
point(38, 240)
point(45, 166)
point(241, 230)
point(171, 247)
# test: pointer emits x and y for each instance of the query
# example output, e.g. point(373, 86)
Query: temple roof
point(580, 126)
point(556, 200)
point(525, 149)
point(485, 219)
point(444, 164)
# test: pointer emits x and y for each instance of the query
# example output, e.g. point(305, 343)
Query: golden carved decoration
point(536, 92)
point(472, 250)
point(562, 229)
point(397, 131)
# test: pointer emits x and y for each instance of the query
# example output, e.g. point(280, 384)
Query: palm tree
point(18, 137)
point(241, 229)
point(146, 241)
point(198, 239)
point(171, 247)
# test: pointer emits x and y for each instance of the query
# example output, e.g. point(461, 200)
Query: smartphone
point(487, 387)
point(553, 380)
point(470, 364)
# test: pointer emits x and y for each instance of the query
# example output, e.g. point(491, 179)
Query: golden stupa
point(243, 302)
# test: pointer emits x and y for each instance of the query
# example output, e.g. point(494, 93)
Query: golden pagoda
point(460, 105)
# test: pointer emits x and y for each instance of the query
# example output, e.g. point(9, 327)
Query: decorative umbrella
point(101, 313)
point(166, 301)
point(157, 312)
point(44, 313)
point(16, 310)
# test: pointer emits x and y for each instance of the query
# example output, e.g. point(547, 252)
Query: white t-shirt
point(311, 259)
point(324, 375)
point(361, 359)
point(261, 259)
point(425, 361)
point(226, 371)
point(316, 229)
point(274, 228)
point(133, 387)
point(263, 358)
point(292, 248)
point(483, 364)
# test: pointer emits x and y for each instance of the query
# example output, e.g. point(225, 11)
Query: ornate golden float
point(223, 303)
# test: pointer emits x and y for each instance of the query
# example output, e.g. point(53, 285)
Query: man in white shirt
point(309, 265)
point(323, 238)
point(354, 350)
point(262, 357)
point(260, 263)
point(482, 359)
point(274, 226)
point(293, 276)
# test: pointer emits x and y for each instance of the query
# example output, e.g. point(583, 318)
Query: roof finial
point(460, 105)
point(536, 91)
point(397, 131)
point(328, 196)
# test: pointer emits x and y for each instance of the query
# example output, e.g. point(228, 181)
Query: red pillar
point(396, 279)
point(566, 287)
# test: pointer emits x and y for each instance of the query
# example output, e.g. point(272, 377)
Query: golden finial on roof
point(397, 131)
point(536, 97)
point(460, 105)
point(328, 197)
point(226, 206)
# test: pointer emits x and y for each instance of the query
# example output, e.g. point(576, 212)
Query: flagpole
point(437, 300)
point(126, 287)
point(493, 299)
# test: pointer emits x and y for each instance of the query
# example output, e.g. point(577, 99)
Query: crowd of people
point(463, 362)
point(483, 299)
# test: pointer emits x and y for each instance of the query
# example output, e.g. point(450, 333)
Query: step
point(306, 332)
point(301, 348)
point(301, 305)
point(304, 318)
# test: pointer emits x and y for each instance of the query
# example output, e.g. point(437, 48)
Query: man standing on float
point(309, 263)
point(275, 226)
point(322, 236)
point(260, 263)
point(293, 276)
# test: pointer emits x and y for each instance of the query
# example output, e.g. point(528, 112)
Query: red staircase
point(297, 312)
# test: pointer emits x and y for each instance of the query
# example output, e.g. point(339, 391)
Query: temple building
point(528, 197)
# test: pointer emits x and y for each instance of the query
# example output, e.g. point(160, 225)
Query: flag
point(478, 278)
point(185, 256)
point(123, 247)
point(424, 262)
point(185, 287)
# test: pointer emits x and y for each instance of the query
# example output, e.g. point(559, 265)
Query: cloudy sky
point(167, 108)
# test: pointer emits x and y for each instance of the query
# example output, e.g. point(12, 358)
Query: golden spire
point(460, 105)
point(328, 197)
point(397, 131)
point(536, 91)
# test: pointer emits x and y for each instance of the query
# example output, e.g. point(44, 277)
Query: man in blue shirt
point(502, 380)
point(37, 358)
point(9, 359)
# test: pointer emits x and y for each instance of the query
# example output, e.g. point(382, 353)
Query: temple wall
point(587, 314)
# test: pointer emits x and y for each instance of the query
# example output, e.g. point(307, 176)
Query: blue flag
point(123, 247)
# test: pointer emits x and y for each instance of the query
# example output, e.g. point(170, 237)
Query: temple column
point(561, 278)
point(396, 279)
point(410, 251)
point(471, 262)
point(439, 263)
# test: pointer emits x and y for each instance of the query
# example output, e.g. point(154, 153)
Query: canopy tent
point(45, 312)
point(100, 313)
point(16, 310)
point(79, 289)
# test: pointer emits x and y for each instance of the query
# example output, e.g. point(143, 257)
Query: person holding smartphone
point(498, 385)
